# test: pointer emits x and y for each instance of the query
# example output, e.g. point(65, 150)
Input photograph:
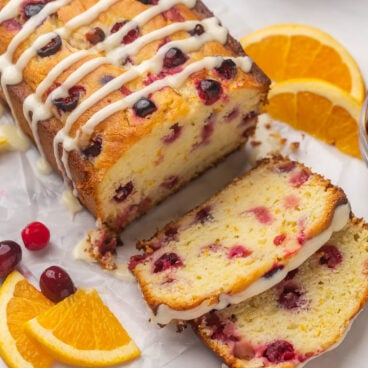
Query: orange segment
point(20, 302)
point(287, 51)
point(82, 331)
point(318, 108)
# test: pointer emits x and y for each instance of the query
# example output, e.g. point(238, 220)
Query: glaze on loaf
point(240, 242)
point(306, 314)
point(127, 99)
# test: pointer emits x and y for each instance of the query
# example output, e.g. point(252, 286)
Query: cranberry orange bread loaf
point(304, 315)
point(240, 242)
point(128, 99)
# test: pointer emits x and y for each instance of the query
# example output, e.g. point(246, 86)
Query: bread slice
point(240, 242)
point(306, 314)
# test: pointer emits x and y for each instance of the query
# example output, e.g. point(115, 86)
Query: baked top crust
point(78, 48)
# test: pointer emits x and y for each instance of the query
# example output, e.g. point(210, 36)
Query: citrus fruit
point(319, 108)
point(82, 331)
point(287, 51)
point(19, 302)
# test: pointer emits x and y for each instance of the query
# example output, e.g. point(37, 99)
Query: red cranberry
point(238, 251)
point(125, 90)
point(207, 130)
point(279, 351)
point(144, 107)
point(10, 256)
point(70, 102)
point(135, 260)
point(117, 26)
point(262, 214)
point(291, 296)
point(232, 115)
point(123, 192)
point(279, 239)
point(35, 236)
point(203, 215)
point(95, 35)
point(173, 15)
point(248, 118)
point(131, 36)
point(31, 9)
point(56, 284)
point(94, 148)
point(292, 274)
point(273, 271)
point(171, 234)
point(174, 57)
point(170, 182)
point(197, 30)
point(51, 48)
point(227, 69)
point(209, 91)
point(166, 261)
point(299, 178)
point(331, 256)
point(175, 132)
point(217, 327)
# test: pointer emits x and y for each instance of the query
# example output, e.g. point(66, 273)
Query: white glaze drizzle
point(115, 54)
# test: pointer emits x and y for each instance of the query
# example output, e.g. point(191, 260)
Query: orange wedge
point(82, 331)
point(319, 108)
point(287, 51)
point(19, 302)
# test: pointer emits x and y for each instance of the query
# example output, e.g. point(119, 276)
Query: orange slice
point(286, 51)
point(19, 302)
point(318, 108)
point(82, 331)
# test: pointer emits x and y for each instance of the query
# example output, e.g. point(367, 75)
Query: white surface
point(27, 196)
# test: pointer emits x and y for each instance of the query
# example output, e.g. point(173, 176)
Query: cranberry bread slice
point(240, 242)
point(304, 315)
point(128, 99)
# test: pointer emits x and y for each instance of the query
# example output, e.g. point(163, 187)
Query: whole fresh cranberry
point(35, 236)
point(56, 284)
point(10, 256)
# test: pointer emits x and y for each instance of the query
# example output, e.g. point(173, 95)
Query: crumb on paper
point(294, 146)
point(267, 141)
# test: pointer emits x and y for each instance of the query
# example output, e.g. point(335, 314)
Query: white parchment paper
point(26, 196)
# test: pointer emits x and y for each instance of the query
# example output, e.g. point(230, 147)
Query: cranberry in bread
point(306, 314)
point(240, 242)
point(127, 99)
